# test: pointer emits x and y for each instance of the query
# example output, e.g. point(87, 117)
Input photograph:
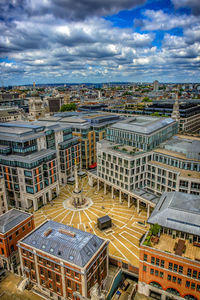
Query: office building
point(169, 266)
point(14, 225)
point(189, 111)
point(89, 128)
point(34, 158)
point(62, 261)
point(144, 133)
point(142, 176)
point(155, 86)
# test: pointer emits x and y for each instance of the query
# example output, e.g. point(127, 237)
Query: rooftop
point(67, 243)
point(178, 211)
point(144, 125)
point(11, 219)
point(168, 244)
point(187, 147)
point(183, 173)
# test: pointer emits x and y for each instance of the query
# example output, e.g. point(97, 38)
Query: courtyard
point(125, 233)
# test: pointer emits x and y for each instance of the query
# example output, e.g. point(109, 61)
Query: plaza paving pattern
point(123, 236)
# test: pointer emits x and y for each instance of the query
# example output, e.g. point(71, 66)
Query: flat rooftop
point(186, 147)
point(144, 125)
point(11, 219)
point(167, 244)
point(185, 173)
point(67, 243)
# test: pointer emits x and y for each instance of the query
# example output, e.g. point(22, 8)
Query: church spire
point(175, 114)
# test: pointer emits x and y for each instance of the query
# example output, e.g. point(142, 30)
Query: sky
point(80, 41)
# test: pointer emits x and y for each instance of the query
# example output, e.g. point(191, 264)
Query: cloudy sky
point(52, 41)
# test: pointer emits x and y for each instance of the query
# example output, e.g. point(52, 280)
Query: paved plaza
point(123, 236)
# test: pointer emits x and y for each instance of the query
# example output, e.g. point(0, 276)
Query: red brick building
point(169, 265)
point(61, 260)
point(14, 225)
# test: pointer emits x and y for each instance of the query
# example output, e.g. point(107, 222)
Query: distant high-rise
point(176, 114)
point(155, 85)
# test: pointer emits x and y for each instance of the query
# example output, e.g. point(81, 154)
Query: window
point(57, 278)
point(145, 257)
point(23, 228)
point(69, 283)
point(198, 287)
point(156, 272)
point(144, 268)
point(170, 266)
point(189, 272)
point(175, 267)
point(161, 274)
point(179, 280)
point(49, 274)
point(77, 287)
point(174, 279)
point(194, 275)
point(10, 237)
point(153, 260)
point(76, 275)
point(41, 271)
point(58, 290)
point(187, 284)
point(169, 277)
point(162, 264)
point(157, 261)
point(180, 270)
point(152, 271)
point(50, 285)
point(193, 285)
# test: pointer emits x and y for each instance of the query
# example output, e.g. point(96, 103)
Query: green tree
point(146, 99)
point(155, 228)
point(156, 114)
point(68, 107)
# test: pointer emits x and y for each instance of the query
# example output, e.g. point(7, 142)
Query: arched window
point(173, 291)
point(190, 297)
point(156, 284)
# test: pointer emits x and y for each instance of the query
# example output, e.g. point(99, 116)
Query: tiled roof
point(11, 219)
point(75, 246)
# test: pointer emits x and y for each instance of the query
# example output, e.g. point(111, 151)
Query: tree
point(155, 228)
point(68, 107)
point(156, 114)
point(146, 99)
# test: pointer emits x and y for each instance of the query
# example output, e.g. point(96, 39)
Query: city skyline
point(76, 42)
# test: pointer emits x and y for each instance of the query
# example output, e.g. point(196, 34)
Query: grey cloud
point(193, 4)
point(66, 9)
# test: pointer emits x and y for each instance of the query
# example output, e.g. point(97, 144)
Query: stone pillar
point(138, 206)
point(104, 188)
point(44, 199)
point(129, 198)
point(21, 263)
point(36, 267)
point(90, 181)
point(112, 189)
point(63, 281)
point(148, 210)
point(97, 184)
point(35, 204)
point(120, 196)
point(57, 190)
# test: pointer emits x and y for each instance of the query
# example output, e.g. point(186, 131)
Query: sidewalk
point(9, 291)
